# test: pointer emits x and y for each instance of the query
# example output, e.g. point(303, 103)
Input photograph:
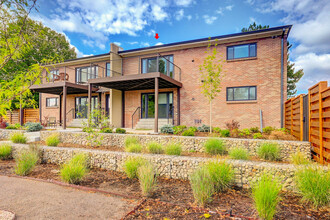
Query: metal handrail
point(136, 110)
point(172, 63)
point(71, 110)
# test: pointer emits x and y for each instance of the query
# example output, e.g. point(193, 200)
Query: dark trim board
point(56, 88)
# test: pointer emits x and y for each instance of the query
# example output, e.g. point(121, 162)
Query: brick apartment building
point(125, 83)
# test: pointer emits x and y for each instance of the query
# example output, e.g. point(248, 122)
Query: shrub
point(232, 125)
point(134, 148)
point(215, 146)
point(31, 126)
point(106, 130)
point(87, 129)
point(216, 129)
point(120, 130)
point(269, 151)
point(75, 170)
point(132, 165)
point(268, 129)
point(12, 127)
point(167, 129)
point(147, 179)
point(155, 148)
point(254, 130)
point(36, 149)
point(314, 185)
point(299, 158)
point(5, 151)
point(131, 140)
point(257, 136)
point(18, 137)
point(53, 140)
point(188, 133)
point(193, 128)
point(204, 128)
point(25, 162)
point(265, 194)
point(179, 129)
point(173, 149)
point(239, 154)
point(222, 175)
point(202, 185)
point(225, 133)
point(244, 133)
point(3, 124)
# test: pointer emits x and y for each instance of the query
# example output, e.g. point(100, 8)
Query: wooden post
point(301, 118)
point(156, 104)
point(291, 116)
point(89, 107)
point(309, 116)
point(60, 111)
point(64, 106)
point(322, 86)
point(178, 105)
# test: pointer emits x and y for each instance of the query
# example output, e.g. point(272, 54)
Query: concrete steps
point(148, 123)
point(32, 136)
point(77, 123)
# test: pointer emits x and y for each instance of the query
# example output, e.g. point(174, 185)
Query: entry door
point(165, 105)
point(82, 105)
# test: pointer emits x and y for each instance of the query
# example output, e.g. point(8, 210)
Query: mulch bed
point(173, 199)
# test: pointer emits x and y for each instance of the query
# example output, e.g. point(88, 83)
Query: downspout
point(282, 75)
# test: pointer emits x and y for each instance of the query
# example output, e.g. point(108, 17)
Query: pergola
point(155, 80)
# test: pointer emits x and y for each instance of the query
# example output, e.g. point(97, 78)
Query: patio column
point(89, 106)
point(178, 104)
point(156, 104)
point(64, 106)
point(60, 103)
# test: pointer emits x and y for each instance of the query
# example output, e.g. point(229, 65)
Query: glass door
point(165, 105)
point(82, 105)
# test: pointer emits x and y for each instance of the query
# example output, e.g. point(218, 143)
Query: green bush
point(188, 133)
point(265, 194)
point(31, 126)
point(239, 154)
point(173, 149)
point(12, 127)
point(299, 158)
point(18, 138)
point(87, 129)
point(257, 136)
point(314, 185)
point(179, 129)
point(5, 151)
point(202, 185)
point(216, 129)
point(225, 133)
point(222, 175)
point(269, 151)
point(131, 140)
point(106, 130)
point(268, 129)
point(53, 140)
point(25, 162)
point(132, 165)
point(204, 128)
point(147, 179)
point(245, 132)
point(155, 148)
point(215, 146)
point(254, 130)
point(75, 170)
point(167, 129)
point(193, 128)
point(134, 148)
point(120, 130)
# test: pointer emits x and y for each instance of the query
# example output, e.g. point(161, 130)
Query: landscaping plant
point(268, 129)
point(106, 130)
point(216, 129)
point(134, 148)
point(193, 128)
point(147, 179)
point(12, 127)
point(265, 194)
point(179, 129)
point(202, 185)
point(225, 133)
point(269, 151)
point(239, 154)
point(204, 128)
point(299, 158)
point(254, 130)
point(5, 151)
point(155, 148)
point(233, 125)
point(18, 138)
point(120, 130)
point(215, 146)
point(31, 126)
point(314, 184)
point(173, 149)
point(75, 170)
point(53, 140)
point(132, 165)
point(25, 162)
point(221, 173)
point(167, 129)
point(131, 140)
point(188, 133)
point(257, 136)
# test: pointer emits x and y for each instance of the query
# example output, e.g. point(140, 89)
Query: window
point(108, 69)
point(50, 74)
point(165, 65)
point(51, 102)
point(83, 74)
point(242, 93)
point(241, 51)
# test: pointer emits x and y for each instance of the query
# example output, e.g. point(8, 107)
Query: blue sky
point(90, 25)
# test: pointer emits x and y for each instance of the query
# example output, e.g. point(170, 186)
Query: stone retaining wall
point(176, 167)
point(188, 143)
point(5, 133)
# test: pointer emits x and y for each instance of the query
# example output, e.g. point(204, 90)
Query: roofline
point(209, 38)
point(87, 57)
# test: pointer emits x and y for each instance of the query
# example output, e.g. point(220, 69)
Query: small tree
point(211, 75)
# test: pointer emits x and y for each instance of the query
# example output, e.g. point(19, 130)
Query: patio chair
point(52, 121)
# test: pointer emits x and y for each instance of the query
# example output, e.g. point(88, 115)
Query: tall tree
point(293, 76)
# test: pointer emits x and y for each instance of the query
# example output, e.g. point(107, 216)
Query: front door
point(165, 105)
point(82, 105)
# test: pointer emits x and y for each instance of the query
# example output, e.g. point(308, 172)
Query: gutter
point(282, 76)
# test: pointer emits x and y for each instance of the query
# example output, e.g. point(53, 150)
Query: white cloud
point(151, 32)
point(179, 14)
point(229, 7)
point(183, 2)
point(221, 10)
point(159, 43)
point(189, 17)
point(145, 44)
point(133, 43)
point(118, 43)
point(209, 19)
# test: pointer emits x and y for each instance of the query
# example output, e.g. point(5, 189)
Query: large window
point(51, 102)
point(241, 51)
point(83, 74)
point(108, 69)
point(242, 93)
point(165, 65)
point(51, 73)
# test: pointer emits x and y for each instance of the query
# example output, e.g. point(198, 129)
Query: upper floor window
point(51, 73)
point(165, 65)
point(108, 69)
point(241, 93)
point(83, 74)
point(51, 102)
point(241, 51)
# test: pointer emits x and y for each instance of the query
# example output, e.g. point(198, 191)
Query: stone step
point(77, 122)
point(148, 123)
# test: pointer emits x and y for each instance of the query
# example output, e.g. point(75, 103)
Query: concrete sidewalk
point(30, 199)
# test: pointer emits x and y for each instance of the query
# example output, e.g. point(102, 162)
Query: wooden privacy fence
point(12, 117)
point(293, 116)
point(29, 115)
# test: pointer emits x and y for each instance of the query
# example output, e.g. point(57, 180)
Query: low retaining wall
point(188, 143)
point(176, 167)
point(5, 133)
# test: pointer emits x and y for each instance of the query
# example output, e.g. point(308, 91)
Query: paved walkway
point(30, 199)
